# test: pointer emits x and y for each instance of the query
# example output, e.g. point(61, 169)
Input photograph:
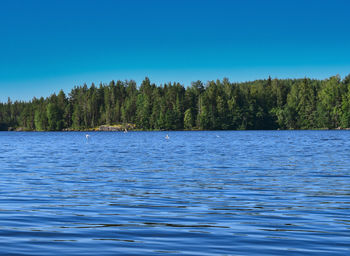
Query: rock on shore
point(116, 128)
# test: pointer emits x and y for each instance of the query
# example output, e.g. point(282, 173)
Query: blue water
point(197, 193)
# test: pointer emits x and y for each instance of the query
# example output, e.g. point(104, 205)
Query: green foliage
point(330, 107)
point(217, 105)
point(188, 119)
point(54, 117)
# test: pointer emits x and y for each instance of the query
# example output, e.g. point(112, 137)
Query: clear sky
point(46, 46)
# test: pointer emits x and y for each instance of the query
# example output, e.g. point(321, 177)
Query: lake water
point(197, 193)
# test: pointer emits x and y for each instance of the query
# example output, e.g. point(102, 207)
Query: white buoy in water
point(87, 136)
point(167, 137)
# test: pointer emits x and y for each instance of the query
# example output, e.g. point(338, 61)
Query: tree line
point(217, 105)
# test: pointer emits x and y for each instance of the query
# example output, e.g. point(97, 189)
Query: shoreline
point(156, 130)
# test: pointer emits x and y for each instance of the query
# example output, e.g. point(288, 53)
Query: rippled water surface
point(197, 193)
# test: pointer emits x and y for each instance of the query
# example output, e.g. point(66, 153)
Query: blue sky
point(46, 46)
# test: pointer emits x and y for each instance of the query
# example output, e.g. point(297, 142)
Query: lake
point(196, 193)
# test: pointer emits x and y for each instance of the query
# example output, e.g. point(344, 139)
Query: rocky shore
point(116, 128)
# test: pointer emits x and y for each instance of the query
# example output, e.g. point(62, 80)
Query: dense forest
point(217, 105)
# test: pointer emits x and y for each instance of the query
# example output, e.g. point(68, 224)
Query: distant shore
point(101, 128)
point(120, 128)
point(265, 104)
